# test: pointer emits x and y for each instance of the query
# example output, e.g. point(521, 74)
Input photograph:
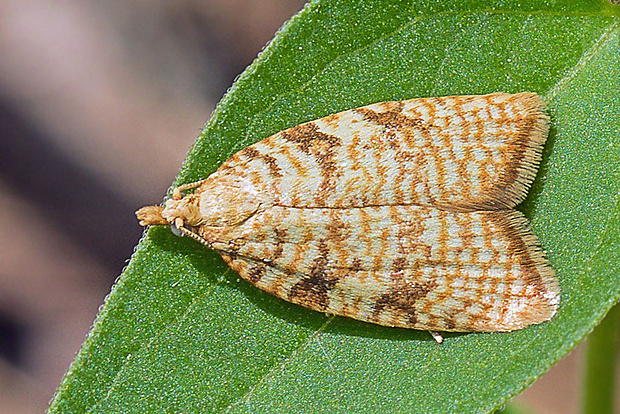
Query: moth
point(396, 213)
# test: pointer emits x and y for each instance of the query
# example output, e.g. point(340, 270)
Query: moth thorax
point(227, 206)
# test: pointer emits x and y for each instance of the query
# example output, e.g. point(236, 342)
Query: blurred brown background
point(99, 103)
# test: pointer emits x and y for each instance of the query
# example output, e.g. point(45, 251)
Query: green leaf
point(180, 332)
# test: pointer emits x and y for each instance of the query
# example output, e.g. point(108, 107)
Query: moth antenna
point(151, 216)
point(177, 193)
point(194, 236)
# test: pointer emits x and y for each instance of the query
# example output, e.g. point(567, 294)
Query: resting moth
point(397, 213)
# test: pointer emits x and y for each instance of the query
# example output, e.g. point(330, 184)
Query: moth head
point(151, 215)
point(217, 202)
point(178, 212)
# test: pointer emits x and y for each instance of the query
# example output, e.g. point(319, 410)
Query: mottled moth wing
point(457, 153)
point(405, 266)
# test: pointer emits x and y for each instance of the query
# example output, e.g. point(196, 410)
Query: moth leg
point(177, 193)
point(436, 336)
